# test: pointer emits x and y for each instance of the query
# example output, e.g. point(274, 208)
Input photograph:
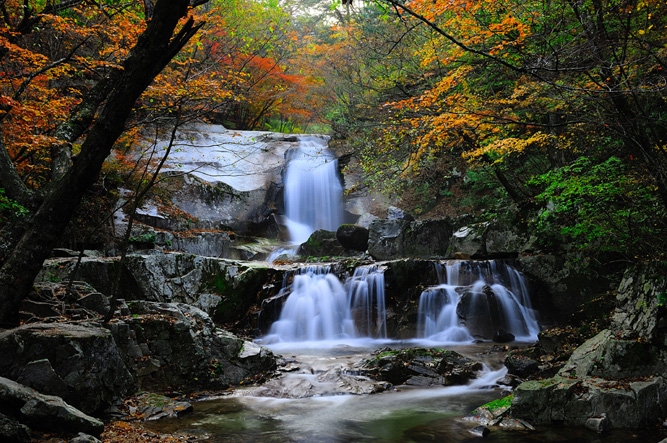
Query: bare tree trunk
point(155, 47)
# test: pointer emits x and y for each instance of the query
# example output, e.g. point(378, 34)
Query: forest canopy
point(552, 108)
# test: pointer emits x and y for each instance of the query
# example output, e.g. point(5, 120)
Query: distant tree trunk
point(155, 47)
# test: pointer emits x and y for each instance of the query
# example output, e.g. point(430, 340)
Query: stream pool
point(405, 414)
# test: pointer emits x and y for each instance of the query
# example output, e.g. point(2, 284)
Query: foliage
point(603, 206)
point(10, 209)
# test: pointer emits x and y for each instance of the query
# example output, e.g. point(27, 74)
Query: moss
point(497, 405)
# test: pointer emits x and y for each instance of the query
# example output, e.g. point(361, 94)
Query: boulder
point(520, 365)
point(174, 344)
point(502, 336)
point(42, 412)
point(574, 402)
point(481, 313)
point(353, 237)
point(321, 243)
point(78, 361)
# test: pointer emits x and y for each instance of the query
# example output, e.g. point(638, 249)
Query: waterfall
point(476, 299)
point(320, 307)
point(313, 192)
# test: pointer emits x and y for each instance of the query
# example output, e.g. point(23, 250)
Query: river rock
point(42, 412)
point(80, 362)
point(333, 381)
point(174, 344)
point(353, 237)
point(520, 365)
point(416, 365)
point(502, 336)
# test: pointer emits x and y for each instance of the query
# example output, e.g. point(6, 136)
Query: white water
point(320, 308)
point(313, 192)
point(438, 319)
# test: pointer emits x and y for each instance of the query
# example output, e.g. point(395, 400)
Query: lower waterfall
point(476, 299)
point(320, 307)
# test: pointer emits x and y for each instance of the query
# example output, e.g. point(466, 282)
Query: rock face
point(573, 402)
point(78, 362)
point(174, 344)
point(41, 412)
point(223, 288)
point(391, 239)
point(421, 367)
point(615, 379)
point(223, 186)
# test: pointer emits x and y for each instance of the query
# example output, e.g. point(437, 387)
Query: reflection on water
point(407, 414)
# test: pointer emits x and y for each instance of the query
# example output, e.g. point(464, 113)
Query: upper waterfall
point(313, 191)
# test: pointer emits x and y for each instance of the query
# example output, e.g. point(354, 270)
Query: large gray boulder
point(41, 412)
point(391, 239)
point(174, 344)
point(76, 361)
point(573, 402)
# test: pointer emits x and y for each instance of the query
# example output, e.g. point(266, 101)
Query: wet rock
point(321, 243)
point(597, 424)
point(334, 381)
point(174, 344)
point(443, 367)
point(481, 313)
point(150, 406)
point(480, 431)
point(353, 237)
point(44, 412)
point(520, 365)
point(502, 336)
point(79, 361)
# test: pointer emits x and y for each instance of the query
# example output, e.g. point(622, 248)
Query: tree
point(98, 120)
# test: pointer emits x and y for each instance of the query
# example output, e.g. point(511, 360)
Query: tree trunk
point(154, 49)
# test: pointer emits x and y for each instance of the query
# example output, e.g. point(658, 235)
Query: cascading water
point(313, 191)
point(494, 296)
point(319, 307)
